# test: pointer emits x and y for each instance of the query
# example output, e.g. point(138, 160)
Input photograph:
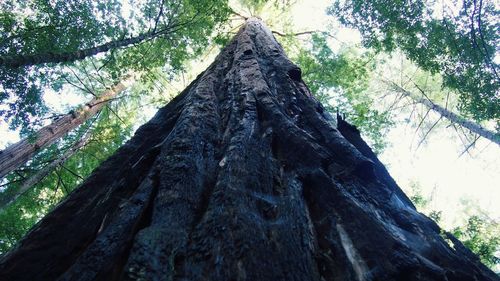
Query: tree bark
point(452, 117)
point(240, 177)
point(16, 155)
point(5, 201)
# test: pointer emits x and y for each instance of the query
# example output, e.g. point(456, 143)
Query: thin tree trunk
point(16, 155)
point(452, 117)
point(41, 174)
point(25, 60)
point(240, 177)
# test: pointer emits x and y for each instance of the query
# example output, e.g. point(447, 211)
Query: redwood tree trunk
point(241, 177)
point(16, 155)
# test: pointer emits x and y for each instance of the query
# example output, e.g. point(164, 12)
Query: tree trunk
point(5, 201)
point(452, 117)
point(26, 60)
point(240, 177)
point(16, 155)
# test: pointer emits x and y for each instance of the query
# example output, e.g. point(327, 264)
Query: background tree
point(19, 153)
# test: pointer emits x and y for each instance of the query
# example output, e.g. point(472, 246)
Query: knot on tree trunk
point(295, 73)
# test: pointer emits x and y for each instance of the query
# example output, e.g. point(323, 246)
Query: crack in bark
point(144, 221)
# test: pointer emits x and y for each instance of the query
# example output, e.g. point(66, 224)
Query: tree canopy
point(158, 34)
point(461, 46)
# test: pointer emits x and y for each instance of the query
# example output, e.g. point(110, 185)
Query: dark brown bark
point(16, 155)
point(241, 177)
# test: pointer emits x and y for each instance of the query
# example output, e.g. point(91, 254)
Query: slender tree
point(241, 177)
point(449, 115)
point(25, 60)
point(42, 173)
point(15, 155)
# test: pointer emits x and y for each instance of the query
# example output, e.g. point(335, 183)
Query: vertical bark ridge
point(187, 162)
point(242, 177)
point(99, 260)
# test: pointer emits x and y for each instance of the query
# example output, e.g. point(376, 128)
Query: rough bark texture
point(452, 117)
point(241, 177)
point(16, 155)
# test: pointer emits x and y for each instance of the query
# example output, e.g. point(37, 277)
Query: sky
point(435, 166)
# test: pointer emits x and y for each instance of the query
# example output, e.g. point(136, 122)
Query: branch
point(112, 111)
point(451, 116)
point(295, 34)
point(81, 82)
point(420, 124)
point(239, 15)
point(470, 145)
point(427, 133)
point(159, 16)
point(62, 182)
point(72, 172)
point(483, 42)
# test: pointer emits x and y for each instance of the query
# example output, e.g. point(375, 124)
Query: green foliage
point(256, 7)
point(461, 47)
point(42, 28)
point(435, 215)
point(340, 82)
point(417, 197)
point(482, 236)
point(18, 219)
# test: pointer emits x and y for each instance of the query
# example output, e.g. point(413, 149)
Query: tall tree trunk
point(452, 117)
point(16, 155)
point(25, 60)
point(5, 201)
point(240, 177)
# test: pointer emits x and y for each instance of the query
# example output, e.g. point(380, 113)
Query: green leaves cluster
point(45, 27)
point(340, 82)
point(482, 236)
